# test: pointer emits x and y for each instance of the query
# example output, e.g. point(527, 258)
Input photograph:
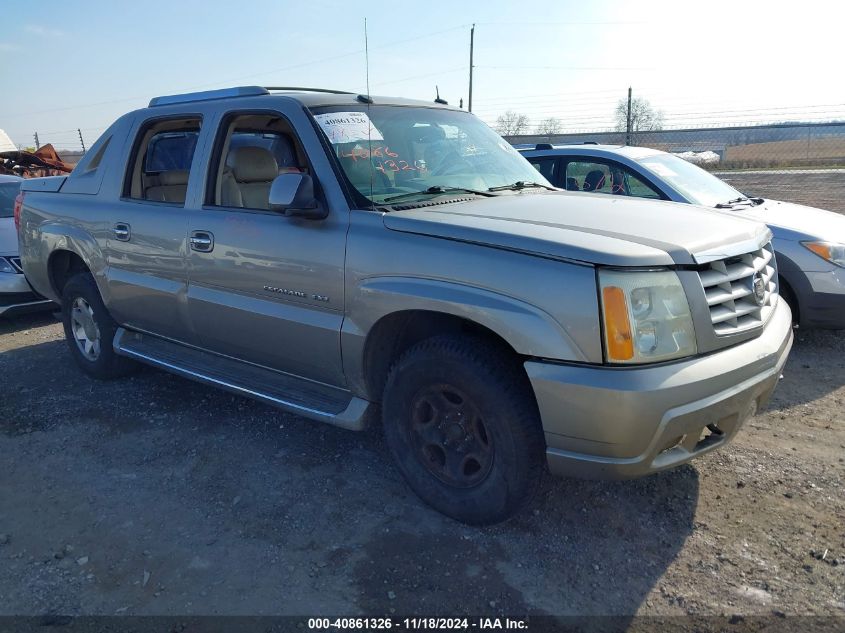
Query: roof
point(9, 178)
point(309, 97)
point(590, 149)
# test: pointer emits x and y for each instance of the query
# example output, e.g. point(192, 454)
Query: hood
point(797, 222)
point(593, 228)
point(8, 237)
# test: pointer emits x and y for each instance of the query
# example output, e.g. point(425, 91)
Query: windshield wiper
point(520, 184)
point(437, 190)
point(730, 203)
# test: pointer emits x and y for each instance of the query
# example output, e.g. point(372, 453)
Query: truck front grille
point(16, 262)
point(741, 291)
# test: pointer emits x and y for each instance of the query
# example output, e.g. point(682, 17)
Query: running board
point(296, 395)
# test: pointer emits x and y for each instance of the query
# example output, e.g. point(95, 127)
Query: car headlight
point(6, 266)
point(646, 316)
point(831, 251)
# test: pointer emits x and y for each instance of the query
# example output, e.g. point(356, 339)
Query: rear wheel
point(461, 420)
point(89, 330)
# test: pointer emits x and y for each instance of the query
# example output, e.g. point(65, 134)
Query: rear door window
point(161, 161)
point(171, 150)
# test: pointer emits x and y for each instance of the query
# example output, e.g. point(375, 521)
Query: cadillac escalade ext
point(353, 258)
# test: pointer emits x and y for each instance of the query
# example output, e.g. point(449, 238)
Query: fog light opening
point(715, 430)
point(672, 444)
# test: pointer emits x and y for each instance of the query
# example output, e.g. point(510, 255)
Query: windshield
point(695, 184)
point(8, 193)
point(388, 151)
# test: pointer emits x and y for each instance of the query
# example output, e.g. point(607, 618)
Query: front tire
point(462, 422)
point(89, 330)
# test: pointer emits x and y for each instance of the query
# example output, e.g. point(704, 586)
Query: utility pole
point(82, 142)
point(37, 144)
point(628, 125)
point(471, 42)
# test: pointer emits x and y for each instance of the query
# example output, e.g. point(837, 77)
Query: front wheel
point(89, 330)
point(462, 422)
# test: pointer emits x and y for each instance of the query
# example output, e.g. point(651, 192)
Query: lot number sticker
point(348, 127)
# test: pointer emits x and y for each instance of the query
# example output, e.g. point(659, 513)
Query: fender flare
point(56, 237)
point(529, 330)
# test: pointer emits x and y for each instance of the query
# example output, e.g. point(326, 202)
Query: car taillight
point(18, 205)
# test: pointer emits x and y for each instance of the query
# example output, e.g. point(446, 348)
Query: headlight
point(831, 251)
point(6, 266)
point(646, 317)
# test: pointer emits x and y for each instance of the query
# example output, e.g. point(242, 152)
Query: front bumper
point(619, 423)
point(821, 299)
point(16, 296)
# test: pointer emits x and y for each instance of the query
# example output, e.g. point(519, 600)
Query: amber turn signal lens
point(820, 249)
point(620, 342)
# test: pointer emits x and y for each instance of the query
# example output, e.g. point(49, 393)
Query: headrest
point(594, 180)
point(252, 164)
point(173, 177)
point(284, 149)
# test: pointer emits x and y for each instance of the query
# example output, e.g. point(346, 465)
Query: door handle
point(202, 241)
point(122, 232)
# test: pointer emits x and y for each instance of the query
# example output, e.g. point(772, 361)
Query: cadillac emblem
point(759, 285)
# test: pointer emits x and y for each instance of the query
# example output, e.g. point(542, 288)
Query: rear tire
point(90, 330)
point(462, 422)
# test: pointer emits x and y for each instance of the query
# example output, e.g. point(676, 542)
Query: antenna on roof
point(369, 101)
point(437, 99)
point(367, 57)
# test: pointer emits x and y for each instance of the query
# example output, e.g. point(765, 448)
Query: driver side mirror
point(293, 195)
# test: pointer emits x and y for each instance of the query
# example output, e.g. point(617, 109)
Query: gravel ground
point(824, 189)
point(156, 495)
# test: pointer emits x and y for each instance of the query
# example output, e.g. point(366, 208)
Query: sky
point(79, 65)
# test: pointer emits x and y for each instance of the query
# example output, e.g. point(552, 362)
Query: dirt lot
point(822, 188)
point(155, 495)
point(816, 148)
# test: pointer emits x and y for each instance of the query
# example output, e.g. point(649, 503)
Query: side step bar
point(296, 395)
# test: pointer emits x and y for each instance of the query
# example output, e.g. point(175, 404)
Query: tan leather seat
point(247, 178)
point(172, 187)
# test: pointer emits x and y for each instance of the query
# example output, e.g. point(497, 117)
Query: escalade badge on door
point(286, 291)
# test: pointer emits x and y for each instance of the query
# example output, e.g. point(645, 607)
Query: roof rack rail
point(300, 89)
point(540, 146)
point(208, 95)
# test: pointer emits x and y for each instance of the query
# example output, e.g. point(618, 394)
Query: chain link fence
point(801, 162)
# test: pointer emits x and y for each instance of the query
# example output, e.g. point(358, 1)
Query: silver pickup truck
point(353, 258)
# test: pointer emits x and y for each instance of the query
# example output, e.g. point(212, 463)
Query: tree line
point(644, 117)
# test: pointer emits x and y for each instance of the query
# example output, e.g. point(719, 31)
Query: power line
point(565, 67)
point(566, 23)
